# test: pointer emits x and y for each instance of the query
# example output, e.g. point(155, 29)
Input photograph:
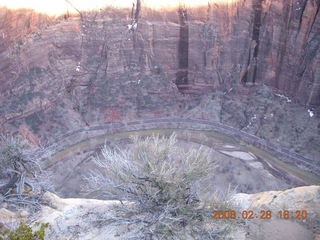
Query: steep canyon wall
point(67, 72)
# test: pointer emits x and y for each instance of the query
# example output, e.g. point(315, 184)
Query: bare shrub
point(21, 177)
point(154, 180)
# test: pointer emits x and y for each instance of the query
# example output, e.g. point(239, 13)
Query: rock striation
point(68, 72)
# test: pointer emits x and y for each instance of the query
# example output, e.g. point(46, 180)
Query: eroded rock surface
point(79, 218)
point(84, 218)
point(293, 200)
point(66, 73)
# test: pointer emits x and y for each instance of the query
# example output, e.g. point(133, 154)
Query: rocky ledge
point(85, 218)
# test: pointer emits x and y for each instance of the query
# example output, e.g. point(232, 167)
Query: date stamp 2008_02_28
point(261, 214)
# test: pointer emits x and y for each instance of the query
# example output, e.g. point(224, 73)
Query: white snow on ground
point(242, 155)
point(257, 165)
point(252, 120)
point(311, 113)
point(133, 81)
point(78, 67)
point(228, 91)
point(283, 96)
point(132, 26)
point(228, 146)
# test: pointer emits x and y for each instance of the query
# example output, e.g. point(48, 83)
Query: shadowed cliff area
point(265, 42)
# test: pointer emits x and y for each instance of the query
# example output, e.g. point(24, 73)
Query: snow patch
point(256, 165)
point(132, 26)
point(247, 156)
point(228, 146)
point(134, 81)
point(285, 97)
point(252, 120)
point(311, 113)
point(228, 91)
point(78, 67)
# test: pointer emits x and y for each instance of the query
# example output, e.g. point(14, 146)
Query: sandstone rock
point(77, 218)
point(8, 219)
point(83, 218)
point(292, 200)
point(301, 198)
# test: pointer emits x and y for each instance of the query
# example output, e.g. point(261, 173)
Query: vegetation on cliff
point(22, 179)
point(156, 184)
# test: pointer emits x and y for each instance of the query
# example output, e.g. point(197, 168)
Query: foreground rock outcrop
point(294, 200)
point(84, 218)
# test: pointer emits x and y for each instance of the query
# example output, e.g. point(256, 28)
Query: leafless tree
point(155, 181)
point(135, 15)
point(21, 177)
point(75, 8)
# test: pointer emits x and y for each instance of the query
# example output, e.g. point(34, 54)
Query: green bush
point(24, 232)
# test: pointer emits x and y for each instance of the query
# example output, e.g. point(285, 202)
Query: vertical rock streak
point(256, 34)
point(308, 63)
point(251, 74)
point(274, 42)
point(183, 49)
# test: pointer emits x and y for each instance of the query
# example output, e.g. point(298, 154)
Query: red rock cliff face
point(271, 42)
point(262, 41)
point(58, 74)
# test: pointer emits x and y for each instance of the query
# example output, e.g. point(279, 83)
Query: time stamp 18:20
point(263, 214)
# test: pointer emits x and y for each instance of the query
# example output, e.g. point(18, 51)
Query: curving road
point(315, 164)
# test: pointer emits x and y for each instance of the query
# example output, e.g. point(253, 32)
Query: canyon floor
point(240, 166)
